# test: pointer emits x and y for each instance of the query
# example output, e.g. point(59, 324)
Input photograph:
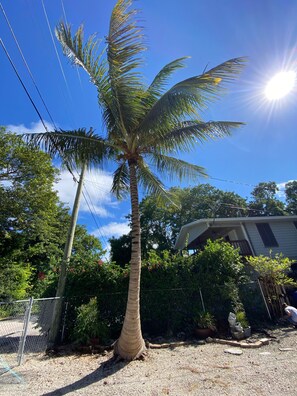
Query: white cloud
point(281, 186)
point(35, 127)
point(97, 186)
point(112, 229)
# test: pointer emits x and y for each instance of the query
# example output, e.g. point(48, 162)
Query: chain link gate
point(24, 327)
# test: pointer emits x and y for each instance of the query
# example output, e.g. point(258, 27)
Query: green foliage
point(107, 282)
point(14, 278)
point(264, 202)
point(242, 319)
point(291, 197)
point(204, 320)
point(29, 211)
point(33, 223)
point(161, 222)
point(218, 263)
point(120, 249)
point(220, 271)
point(273, 268)
point(170, 289)
point(88, 325)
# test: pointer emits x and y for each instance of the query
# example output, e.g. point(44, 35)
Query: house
point(252, 235)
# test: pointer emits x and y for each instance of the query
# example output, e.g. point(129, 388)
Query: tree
point(202, 202)
point(120, 249)
point(33, 222)
point(264, 202)
point(29, 207)
point(161, 222)
point(145, 125)
point(291, 197)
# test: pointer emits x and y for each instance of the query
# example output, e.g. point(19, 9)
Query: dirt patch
point(181, 370)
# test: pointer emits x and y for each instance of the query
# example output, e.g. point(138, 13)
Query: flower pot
point(203, 333)
point(247, 332)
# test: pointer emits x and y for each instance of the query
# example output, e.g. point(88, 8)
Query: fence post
point(64, 321)
point(25, 331)
point(264, 299)
point(202, 301)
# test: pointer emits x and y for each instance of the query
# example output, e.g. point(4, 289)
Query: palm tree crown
point(145, 126)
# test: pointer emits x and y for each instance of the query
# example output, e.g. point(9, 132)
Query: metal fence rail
point(24, 327)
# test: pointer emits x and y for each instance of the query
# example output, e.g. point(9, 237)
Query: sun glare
point(280, 85)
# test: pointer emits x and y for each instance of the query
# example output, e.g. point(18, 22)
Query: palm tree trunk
point(131, 345)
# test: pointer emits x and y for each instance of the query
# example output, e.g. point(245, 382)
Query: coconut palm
point(147, 127)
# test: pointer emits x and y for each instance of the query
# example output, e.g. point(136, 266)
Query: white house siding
point(285, 234)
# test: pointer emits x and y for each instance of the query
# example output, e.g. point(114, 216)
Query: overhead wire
point(94, 217)
point(26, 64)
point(23, 85)
point(55, 47)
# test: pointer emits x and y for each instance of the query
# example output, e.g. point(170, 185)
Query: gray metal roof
point(203, 224)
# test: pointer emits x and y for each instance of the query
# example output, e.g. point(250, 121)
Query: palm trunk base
point(127, 355)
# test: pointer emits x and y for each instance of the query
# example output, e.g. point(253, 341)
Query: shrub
point(273, 268)
point(14, 279)
point(204, 320)
point(170, 290)
point(242, 319)
point(88, 325)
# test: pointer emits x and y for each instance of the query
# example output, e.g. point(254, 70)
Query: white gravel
point(186, 370)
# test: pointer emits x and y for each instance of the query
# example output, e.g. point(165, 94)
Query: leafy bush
point(273, 268)
point(170, 289)
point(88, 325)
point(204, 320)
point(242, 319)
point(219, 271)
point(14, 279)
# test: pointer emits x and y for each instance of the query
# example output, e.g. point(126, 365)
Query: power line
point(23, 85)
point(26, 64)
point(55, 47)
point(93, 216)
point(231, 181)
point(33, 104)
point(40, 95)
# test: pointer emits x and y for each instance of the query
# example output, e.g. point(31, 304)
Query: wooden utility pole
point(58, 304)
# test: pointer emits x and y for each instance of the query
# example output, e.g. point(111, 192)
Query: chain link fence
point(24, 327)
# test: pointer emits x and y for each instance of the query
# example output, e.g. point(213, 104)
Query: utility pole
point(58, 304)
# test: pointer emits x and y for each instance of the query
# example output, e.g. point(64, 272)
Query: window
point(295, 223)
point(266, 234)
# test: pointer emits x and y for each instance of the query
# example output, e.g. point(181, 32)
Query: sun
point(280, 85)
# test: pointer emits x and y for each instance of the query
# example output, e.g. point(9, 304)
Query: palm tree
point(147, 126)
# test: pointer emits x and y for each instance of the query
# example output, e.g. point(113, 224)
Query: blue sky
point(210, 31)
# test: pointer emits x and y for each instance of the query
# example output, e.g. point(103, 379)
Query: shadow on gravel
point(106, 369)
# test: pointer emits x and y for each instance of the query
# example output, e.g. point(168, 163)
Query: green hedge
point(170, 290)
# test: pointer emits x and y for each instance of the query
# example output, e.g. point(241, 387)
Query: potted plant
point(242, 319)
point(204, 323)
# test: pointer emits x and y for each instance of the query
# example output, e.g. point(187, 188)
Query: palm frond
point(190, 95)
point(74, 147)
point(125, 40)
point(121, 182)
point(84, 55)
point(87, 56)
point(174, 167)
point(157, 86)
point(186, 134)
point(151, 183)
point(124, 46)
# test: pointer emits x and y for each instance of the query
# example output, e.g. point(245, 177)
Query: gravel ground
point(184, 370)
